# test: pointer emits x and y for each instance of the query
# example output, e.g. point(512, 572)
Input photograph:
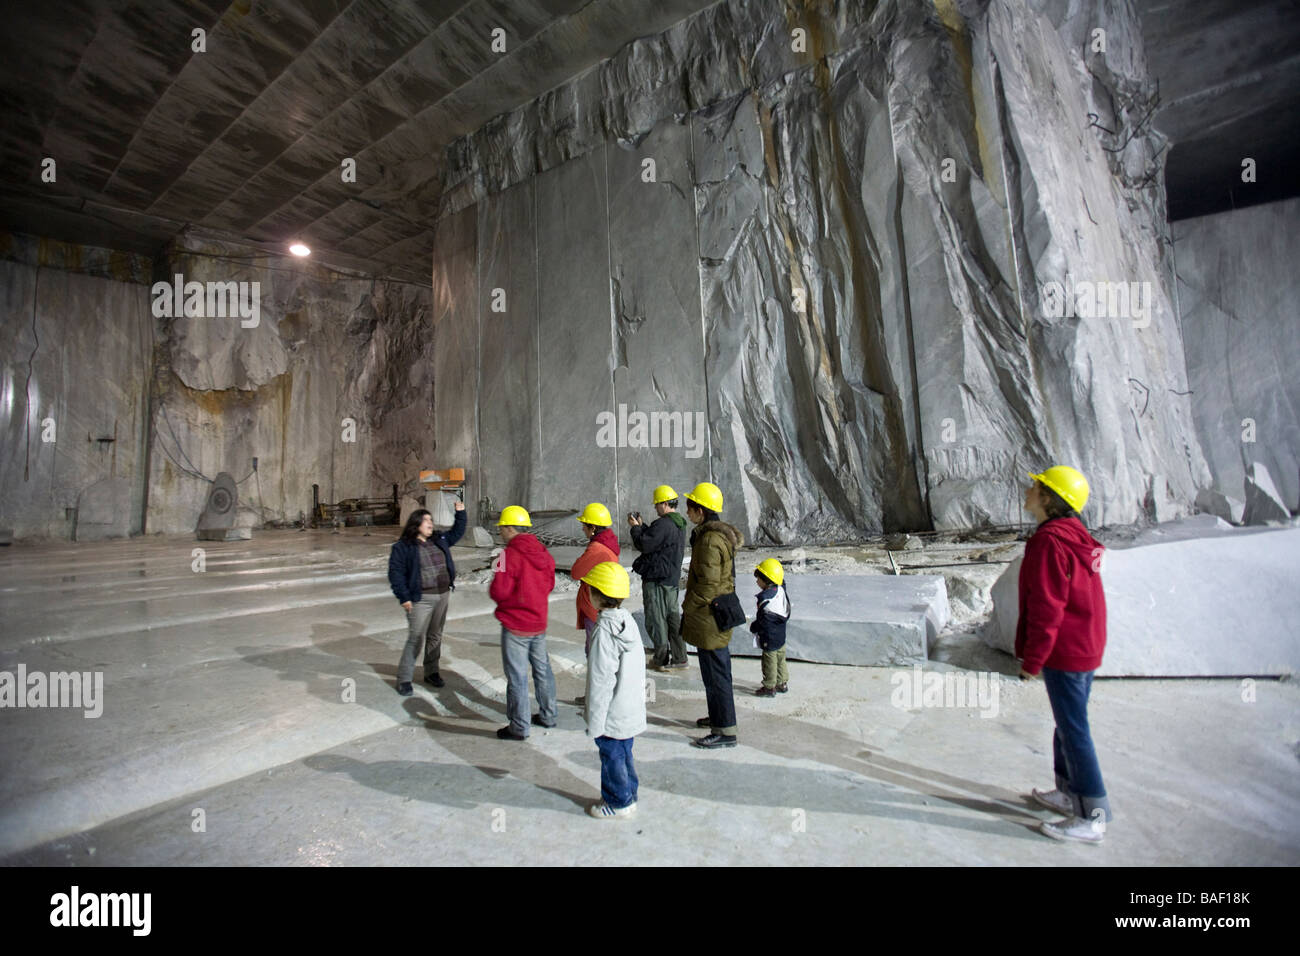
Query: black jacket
point(769, 624)
point(662, 544)
point(404, 561)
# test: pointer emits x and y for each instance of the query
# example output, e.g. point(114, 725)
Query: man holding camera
point(661, 544)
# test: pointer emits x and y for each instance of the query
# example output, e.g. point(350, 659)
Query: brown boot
point(765, 692)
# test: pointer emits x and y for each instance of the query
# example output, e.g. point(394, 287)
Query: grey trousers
point(663, 622)
point(423, 626)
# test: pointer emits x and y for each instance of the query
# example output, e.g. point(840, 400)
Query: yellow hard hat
point(664, 493)
point(596, 513)
point(610, 579)
point(1067, 482)
point(707, 495)
point(772, 570)
point(514, 516)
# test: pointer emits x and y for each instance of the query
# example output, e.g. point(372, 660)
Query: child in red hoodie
point(523, 580)
point(1062, 633)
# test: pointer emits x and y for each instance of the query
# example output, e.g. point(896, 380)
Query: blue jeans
point(517, 654)
point(715, 669)
point(618, 780)
point(1074, 759)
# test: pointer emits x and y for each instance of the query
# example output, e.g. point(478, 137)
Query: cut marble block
point(1263, 502)
point(868, 620)
point(1220, 505)
point(442, 507)
point(1222, 605)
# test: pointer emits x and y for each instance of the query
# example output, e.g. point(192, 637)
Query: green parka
point(713, 552)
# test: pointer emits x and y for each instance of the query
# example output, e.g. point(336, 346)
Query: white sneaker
point(603, 811)
point(1054, 800)
point(1075, 828)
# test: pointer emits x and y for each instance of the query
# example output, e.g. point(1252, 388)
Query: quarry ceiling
point(248, 137)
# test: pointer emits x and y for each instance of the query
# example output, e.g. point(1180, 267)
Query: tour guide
point(421, 574)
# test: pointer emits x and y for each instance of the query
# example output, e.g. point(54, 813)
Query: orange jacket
point(594, 555)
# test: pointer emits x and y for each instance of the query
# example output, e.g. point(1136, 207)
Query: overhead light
point(298, 249)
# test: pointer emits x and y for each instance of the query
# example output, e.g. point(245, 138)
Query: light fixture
point(298, 249)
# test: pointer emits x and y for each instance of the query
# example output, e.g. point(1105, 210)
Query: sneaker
point(704, 722)
point(1075, 828)
point(538, 722)
point(603, 811)
point(714, 741)
point(434, 680)
point(765, 692)
point(404, 688)
point(783, 688)
point(1054, 800)
point(505, 733)
point(677, 665)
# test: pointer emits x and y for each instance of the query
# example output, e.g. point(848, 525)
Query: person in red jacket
point(1062, 633)
point(523, 580)
point(602, 546)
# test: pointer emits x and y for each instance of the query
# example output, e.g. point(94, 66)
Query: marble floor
point(248, 716)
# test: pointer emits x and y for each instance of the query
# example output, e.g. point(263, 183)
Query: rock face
point(332, 386)
point(100, 513)
point(132, 414)
point(879, 250)
point(74, 423)
point(1237, 288)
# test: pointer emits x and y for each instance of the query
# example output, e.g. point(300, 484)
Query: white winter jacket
point(616, 677)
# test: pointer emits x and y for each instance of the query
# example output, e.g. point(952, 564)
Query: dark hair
point(604, 600)
point(412, 527)
point(1054, 506)
point(708, 514)
point(763, 577)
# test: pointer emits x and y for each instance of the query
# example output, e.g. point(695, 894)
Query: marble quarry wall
point(74, 390)
point(330, 387)
point(1237, 295)
point(329, 383)
point(876, 248)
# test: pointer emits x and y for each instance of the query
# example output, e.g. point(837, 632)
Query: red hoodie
point(1062, 607)
point(525, 576)
point(595, 554)
point(609, 539)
